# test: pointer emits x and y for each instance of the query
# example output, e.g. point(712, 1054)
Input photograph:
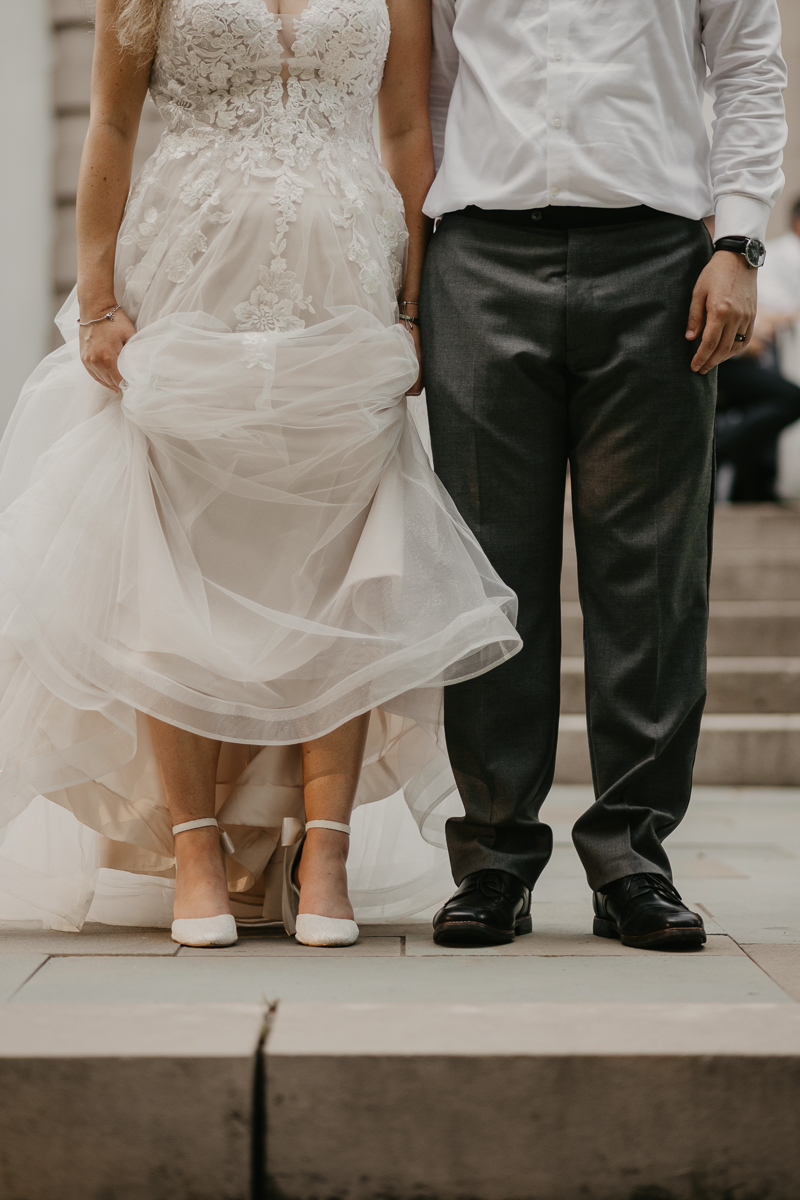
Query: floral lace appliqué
point(146, 231)
point(274, 304)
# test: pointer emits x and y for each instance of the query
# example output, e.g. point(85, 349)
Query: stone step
point(501, 1102)
point(741, 525)
point(735, 750)
point(365, 1098)
point(757, 627)
point(750, 573)
point(738, 525)
point(756, 554)
point(770, 573)
point(137, 1101)
point(762, 628)
point(735, 685)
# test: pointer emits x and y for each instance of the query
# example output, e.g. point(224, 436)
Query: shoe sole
point(474, 933)
point(676, 939)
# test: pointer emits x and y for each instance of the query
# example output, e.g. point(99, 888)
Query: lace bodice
point(221, 64)
point(250, 96)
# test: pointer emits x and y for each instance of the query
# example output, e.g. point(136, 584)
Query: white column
point(25, 195)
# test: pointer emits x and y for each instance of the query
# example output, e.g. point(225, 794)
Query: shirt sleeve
point(747, 75)
point(444, 68)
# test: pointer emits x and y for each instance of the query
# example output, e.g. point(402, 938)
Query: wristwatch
point(754, 251)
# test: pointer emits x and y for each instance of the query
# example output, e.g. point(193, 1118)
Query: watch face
point(755, 252)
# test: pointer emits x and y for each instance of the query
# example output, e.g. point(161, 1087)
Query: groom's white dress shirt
point(584, 102)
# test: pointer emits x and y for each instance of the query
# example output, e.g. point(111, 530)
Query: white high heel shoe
point(205, 931)
point(309, 928)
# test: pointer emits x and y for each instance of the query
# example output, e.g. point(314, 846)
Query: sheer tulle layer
point(249, 544)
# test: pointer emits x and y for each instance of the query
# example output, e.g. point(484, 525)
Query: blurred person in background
point(754, 406)
point(759, 396)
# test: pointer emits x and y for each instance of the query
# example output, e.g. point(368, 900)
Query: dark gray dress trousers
point(544, 347)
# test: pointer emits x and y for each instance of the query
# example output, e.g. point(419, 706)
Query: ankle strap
point(206, 822)
point(337, 825)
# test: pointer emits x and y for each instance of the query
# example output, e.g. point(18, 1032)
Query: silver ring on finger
point(740, 337)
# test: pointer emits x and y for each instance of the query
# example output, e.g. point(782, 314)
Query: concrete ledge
point(557, 1102)
point(127, 1102)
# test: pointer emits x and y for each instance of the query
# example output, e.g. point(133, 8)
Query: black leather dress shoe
point(489, 908)
point(646, 911)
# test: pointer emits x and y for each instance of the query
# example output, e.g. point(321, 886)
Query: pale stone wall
point(25, 208)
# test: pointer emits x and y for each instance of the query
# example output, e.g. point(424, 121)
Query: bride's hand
point(101, 345)
point(416, 390)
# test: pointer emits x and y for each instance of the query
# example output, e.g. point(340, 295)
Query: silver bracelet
point(405, 315)
point(109, 316)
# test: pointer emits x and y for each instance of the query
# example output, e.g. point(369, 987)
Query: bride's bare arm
point(119, 86)
point(406, 145)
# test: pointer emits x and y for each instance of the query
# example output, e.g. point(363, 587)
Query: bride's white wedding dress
point(250, 543)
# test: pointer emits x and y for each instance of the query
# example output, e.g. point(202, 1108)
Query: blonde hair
point(137, 25)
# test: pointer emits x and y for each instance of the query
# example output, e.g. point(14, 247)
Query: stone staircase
point(751, 727)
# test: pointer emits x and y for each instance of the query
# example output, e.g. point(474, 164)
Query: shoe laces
point(660, 884)
point(489, 882)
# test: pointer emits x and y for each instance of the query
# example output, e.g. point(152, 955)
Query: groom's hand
point(723, 305)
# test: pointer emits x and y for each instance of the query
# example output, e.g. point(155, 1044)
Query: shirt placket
point(557, 121)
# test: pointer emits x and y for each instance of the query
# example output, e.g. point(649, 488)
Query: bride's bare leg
point(188, 767)
point(331, 767)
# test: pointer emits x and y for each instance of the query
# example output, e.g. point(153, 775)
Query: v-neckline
point(297, 17)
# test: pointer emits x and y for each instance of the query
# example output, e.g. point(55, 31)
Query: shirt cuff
point(741, 216)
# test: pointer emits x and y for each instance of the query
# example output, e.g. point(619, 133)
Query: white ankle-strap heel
point(205, 931)
point(310, 929)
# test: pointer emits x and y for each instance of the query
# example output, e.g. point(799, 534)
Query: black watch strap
point(753, 250)
point(737, 244)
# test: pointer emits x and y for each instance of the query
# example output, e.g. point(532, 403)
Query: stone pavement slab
point(781, 963)
point(440, 979)
point(15, 970)
point(92, 939)
point(132, 1102)
point(285, 947)
point(551, 944)
point(752, 917)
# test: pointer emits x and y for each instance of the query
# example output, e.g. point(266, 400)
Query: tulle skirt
point(250, 543)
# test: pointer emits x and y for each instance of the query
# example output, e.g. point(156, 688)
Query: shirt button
point(554, 191)
point(558, 56)
point(557, 122)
